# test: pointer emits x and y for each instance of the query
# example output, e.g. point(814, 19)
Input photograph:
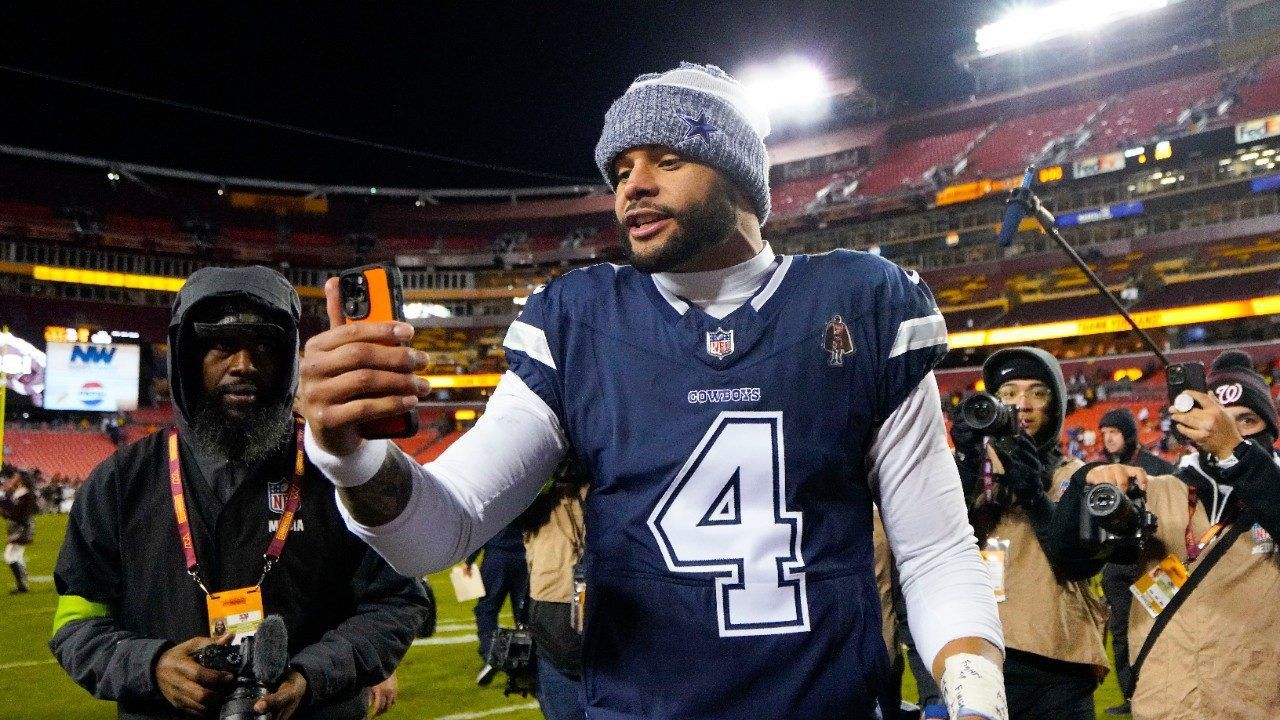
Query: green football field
point(437, 678)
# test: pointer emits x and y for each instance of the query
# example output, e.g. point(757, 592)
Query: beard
point(700, 226)
point(250, 438)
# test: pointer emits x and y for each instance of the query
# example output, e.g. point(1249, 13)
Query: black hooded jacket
point(1132, 453)
point(126, 595)
point(1040, 509)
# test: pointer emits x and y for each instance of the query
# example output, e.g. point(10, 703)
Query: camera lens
point(1176, 374)
point(351, 306)
point(1103, 499)
point(982, 411)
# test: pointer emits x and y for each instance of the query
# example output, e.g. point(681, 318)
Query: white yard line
point(489, 713)
point(26, 664)
point(447, 640)
point(455, 627)
point(40, 578)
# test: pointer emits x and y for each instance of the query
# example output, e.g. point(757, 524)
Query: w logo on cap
point(1229, 394)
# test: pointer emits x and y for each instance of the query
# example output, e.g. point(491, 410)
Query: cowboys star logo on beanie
point(700, 112)
point(1233, 381)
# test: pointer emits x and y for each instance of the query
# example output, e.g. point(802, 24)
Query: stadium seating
point(1011, 145)
point(73, 453)
point(794, 195)
point(1142, 113)
point(438, 447)
point(1261, 97)
point(905, 165)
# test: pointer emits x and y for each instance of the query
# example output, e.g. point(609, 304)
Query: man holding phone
point(738, 413)
point(1206, 648)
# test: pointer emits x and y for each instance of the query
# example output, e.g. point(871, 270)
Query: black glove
point(969, 456)
point(968, 443)
point(1023, 471)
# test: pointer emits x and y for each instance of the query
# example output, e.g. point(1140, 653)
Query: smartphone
point(375, 293)
point(1185, 376)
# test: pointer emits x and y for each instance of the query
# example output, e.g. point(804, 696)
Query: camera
point(986, 414)
point(1109, 516)
point(238, 705)
point(510, 652)
point(355, 296)
point(258, 661)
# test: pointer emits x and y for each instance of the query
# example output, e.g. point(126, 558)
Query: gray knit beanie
point(701, 113)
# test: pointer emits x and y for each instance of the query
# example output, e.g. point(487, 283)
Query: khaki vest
point(884, 564)
point(552, 550)
point(1059, 620)
point(1219, 656)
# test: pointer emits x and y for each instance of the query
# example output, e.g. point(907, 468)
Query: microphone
point(1015, 210)
point(270, 650)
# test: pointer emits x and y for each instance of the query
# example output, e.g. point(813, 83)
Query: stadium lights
point(793, 87)
point(1025, 26)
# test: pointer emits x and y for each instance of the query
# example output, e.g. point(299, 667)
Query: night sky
point(516, 84)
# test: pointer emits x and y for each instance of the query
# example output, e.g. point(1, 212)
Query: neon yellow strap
point(74, 607)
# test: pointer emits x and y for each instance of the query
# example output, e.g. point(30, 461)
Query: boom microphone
point(270, 650)
point(1014, 212)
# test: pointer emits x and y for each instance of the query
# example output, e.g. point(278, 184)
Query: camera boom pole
point(1027, 199)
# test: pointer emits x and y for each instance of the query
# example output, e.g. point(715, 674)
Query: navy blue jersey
point(729, 561)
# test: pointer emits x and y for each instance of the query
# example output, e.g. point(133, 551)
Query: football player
point(734, 461)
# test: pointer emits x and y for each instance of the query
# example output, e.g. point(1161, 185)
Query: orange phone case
point(383, 285)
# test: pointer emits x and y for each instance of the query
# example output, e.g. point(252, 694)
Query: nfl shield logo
point(277, 495)
point(720, 342)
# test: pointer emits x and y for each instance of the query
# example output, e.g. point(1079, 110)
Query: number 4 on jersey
point(725, 514)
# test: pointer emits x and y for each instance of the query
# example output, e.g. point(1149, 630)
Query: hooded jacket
point(1049, 609)
point(1048, 371)
point(1132, 453)
point(262, 286)
point(121, 574)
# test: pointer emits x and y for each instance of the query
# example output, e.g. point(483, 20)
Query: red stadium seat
point(72, 453)
point(1010, 146)
point(905, 165)
point(1262, 97)
point(1139, 114)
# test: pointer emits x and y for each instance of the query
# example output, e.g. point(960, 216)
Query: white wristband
point(974, 687)
point(346, 470)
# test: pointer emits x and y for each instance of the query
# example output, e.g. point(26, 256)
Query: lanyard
point(1194, 545)
point(184, 524)
point(988, 471)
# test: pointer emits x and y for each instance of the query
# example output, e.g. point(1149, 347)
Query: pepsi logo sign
point(91, 393)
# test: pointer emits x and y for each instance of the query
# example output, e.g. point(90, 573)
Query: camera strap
point(276, 546)
point(1197, 574)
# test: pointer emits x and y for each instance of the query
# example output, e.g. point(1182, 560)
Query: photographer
point(1053, 624)
point(1119, 431)
point(1209, 648)
point(554, 534)
point(168, 547)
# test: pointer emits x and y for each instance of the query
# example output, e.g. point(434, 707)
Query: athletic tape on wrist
point(347, 470)
point(973, 686)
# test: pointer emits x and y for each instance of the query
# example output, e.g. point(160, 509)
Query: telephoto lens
point(1112, 509)
point(984, 413)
